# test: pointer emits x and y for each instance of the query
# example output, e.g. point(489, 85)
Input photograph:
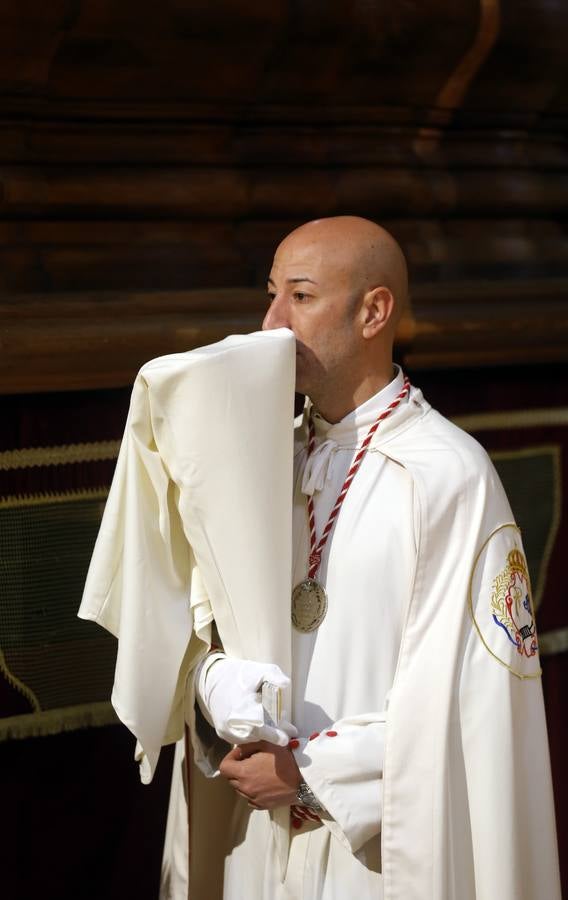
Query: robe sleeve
point(208, 748)
point(343, 767)
point(503, 732)
point(140, 585)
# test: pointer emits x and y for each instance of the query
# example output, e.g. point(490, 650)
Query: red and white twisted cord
point(300, 814)
point(316, 548)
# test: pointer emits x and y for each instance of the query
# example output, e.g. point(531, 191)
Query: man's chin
point(305, 372)
point(301, 386)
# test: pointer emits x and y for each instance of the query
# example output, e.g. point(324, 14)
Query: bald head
point(357, 249)
point(340, 285)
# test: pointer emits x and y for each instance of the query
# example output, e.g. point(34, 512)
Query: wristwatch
point(306, 797)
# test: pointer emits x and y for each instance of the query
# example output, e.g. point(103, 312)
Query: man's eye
point(299, 295)
point(271, 296)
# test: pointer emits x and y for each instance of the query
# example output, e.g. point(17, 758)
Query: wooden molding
point(488, 323)
point(100, 339)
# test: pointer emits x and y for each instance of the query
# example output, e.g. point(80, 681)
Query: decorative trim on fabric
point(58, 455)
point(553, 642)
point(522, 418)
point(54, 721)
point(18, 685)
point(11, 502)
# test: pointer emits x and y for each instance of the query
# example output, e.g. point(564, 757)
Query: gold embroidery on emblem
point(511, 604)
point(511, 610)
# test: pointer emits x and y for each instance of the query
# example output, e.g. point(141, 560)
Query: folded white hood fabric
point(198, 525)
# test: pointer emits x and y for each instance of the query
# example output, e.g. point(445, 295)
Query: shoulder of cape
point(431, 445)
point(450, 470)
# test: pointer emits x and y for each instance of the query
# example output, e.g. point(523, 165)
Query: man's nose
point(277, 316)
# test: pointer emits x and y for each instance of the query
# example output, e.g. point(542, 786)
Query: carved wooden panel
point(148, 151)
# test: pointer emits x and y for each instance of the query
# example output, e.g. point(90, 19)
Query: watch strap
point(306, 797)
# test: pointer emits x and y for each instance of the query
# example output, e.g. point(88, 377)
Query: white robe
point(341, 673)
point(459, 749)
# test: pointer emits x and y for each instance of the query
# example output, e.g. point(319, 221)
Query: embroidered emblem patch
point(511, 604)
point(500, 603)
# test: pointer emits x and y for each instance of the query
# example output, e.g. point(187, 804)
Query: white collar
point(348, 433)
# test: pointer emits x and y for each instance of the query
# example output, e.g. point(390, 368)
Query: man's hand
point(264, 774)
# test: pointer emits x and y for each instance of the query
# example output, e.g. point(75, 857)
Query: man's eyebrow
point(294, 280)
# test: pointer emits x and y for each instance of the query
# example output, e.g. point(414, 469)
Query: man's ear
point(377, 309)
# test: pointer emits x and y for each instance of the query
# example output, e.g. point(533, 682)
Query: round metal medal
point(309, 605)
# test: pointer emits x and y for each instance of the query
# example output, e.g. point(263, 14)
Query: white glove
point(228, 693)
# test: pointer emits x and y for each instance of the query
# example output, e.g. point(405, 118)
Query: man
point(420, 766)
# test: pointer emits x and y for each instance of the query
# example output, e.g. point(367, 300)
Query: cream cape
point(467, 796)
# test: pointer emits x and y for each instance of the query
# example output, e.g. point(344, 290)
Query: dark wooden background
point(152, 155)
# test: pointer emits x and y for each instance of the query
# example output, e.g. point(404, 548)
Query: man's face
point(312, 293)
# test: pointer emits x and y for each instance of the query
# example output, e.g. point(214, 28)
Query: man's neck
point(335, 407)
